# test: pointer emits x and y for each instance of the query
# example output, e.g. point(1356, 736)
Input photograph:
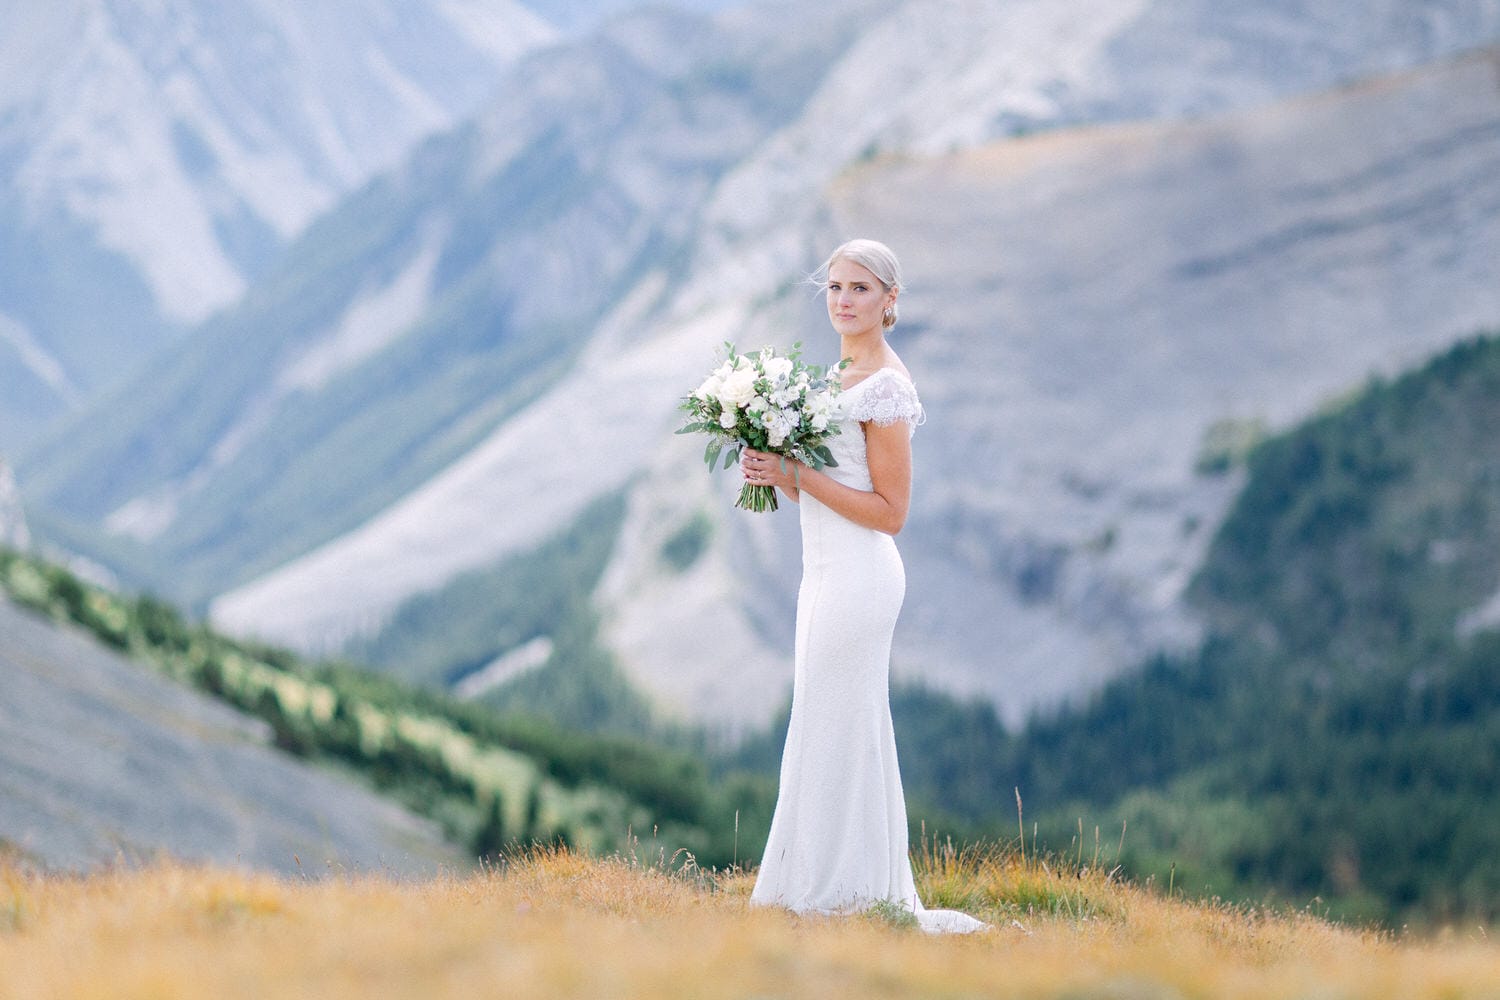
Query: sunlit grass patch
point(886, 913)
point(999, 882)
point(547, 921)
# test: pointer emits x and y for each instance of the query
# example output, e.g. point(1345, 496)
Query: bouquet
point(768, 402)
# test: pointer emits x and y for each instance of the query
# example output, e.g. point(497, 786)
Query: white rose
point(727, 420)
point(778, 369)
point(738, 389)
point(710, 387)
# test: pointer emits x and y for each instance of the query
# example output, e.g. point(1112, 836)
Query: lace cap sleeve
point(884, 398)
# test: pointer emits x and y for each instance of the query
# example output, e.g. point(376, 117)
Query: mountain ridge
point(160, 158)
point(1083, 591)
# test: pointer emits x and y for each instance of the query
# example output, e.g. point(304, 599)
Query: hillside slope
point(1339, 734)
point(103, 762)
point(490, 780)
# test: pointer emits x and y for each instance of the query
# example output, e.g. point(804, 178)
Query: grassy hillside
point(558, 924)
point(489, 779)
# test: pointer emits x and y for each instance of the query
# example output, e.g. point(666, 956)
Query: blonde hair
point(879, 259)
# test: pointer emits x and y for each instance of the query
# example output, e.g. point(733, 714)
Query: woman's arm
point(883, 507)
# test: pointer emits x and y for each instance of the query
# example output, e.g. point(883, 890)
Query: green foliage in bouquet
point(769, 402)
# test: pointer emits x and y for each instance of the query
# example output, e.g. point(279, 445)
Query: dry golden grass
point(553, 924)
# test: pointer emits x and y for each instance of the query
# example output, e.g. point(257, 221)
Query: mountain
point(1240, 271)
point(103, 762)
point(1337, 736)
point(1112, 306)
point(434, 304)
point(1132, 232)
point(157, 157)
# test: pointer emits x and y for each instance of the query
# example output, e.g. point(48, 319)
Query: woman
point(838, 839)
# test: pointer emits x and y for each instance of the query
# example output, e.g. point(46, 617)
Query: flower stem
point(757, 498)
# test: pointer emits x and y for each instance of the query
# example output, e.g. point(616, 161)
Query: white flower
point(821, 410)
point(791, 420)
point(778, 369)
point(710, 387)
point(738, 389)
point(728, 419)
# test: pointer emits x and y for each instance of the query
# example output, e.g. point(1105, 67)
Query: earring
point(890, 314)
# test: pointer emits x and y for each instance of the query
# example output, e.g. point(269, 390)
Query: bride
point(838, 840)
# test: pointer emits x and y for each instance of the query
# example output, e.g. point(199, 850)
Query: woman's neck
point(866, 352)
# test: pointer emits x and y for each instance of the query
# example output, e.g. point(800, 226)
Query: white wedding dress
point(838, 839)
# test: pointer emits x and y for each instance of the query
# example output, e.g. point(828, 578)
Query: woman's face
point(856, 299)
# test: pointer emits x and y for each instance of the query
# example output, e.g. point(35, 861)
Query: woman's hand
point(883, 507)
point(762, 468)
